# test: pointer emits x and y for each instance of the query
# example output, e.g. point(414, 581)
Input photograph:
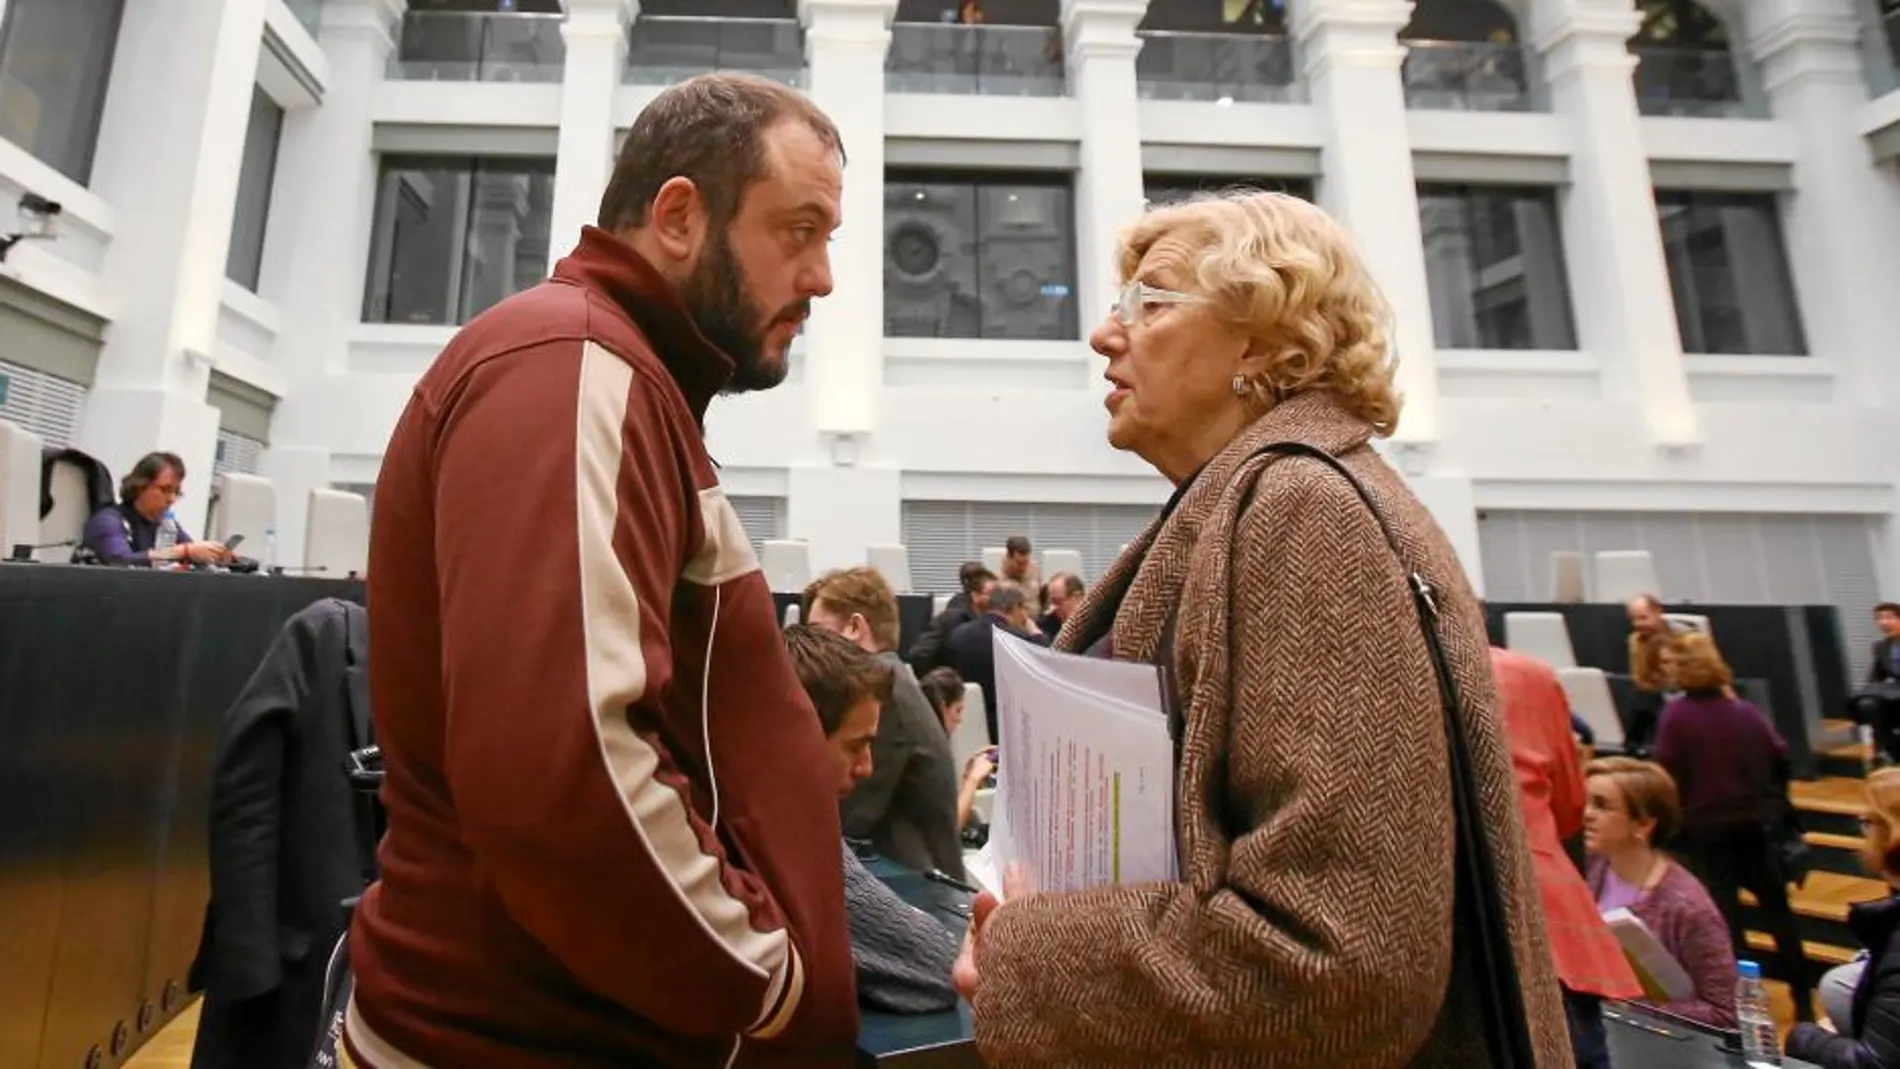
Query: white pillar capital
point(1798, 40)
point(589, 20)
point(1351, 33)
point(1101, 29)
point(851, 25)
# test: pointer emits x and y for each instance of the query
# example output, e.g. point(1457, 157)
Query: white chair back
point(892, 561)
point(1625, 573)
point(1566, 577)
point(1588, 691)
point(973, 733)
point(792, 614)
point(1542, 635)
point(72, 507)
point(787, 565)
point(336, 534)
point(993, 558)
point(1066, 561)
point(19, 489)
point(1689, 621)
point(242, 505)
point(938, 603)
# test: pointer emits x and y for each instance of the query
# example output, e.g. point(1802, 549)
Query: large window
point(978, 256)
point(1729, 272)
point(455, 234)
point(1494, 265)
point(246, 257)
point(55, 61)
point(1167, 188)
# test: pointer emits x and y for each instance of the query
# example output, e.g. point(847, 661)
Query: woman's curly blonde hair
point(1286, 274)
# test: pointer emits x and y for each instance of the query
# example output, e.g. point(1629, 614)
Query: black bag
point(365, 772)
point(1478, 906)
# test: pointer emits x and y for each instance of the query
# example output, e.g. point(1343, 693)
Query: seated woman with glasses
point(139, 528)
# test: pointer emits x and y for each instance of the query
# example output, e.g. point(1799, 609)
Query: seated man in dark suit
point(972, 653)
point(1877, 701)
point(929, 651)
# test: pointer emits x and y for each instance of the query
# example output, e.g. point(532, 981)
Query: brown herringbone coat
point(1312, 925)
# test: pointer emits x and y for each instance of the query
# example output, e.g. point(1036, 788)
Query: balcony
point(1222, 67)
point(663, 50)
point(308, 12)
point(1466, 76)
point(1880, 50)
point(929, 57)
point(457, 46)
point(1690, 82)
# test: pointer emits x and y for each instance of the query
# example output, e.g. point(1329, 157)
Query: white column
point(1842, 226)
point(171, 145)
point(1099, 36)
point(316, 251)
point(845, 44)
point(596, 36)
point(1351, 61)
point(1625, 313)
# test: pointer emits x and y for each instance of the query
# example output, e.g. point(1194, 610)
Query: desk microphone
point(23, 551)
point(939, 876)
point(305, 570)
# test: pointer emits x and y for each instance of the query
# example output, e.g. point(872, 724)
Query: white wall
point(1626, 422)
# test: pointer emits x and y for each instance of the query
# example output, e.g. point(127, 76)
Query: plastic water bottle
point(167, 531)
point(270, 550)
point(1761, 1045)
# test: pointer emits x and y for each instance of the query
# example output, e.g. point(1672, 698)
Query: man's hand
point(206, 552)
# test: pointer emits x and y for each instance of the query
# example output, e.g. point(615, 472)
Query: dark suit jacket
point(931, 650)
point(1881, 671)
point(973, 654)
point(288, 842)
point(907, 807)
point(1872, 1039)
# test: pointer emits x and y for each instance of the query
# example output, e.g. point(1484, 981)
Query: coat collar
point(605, 264)
point(1873, 923)
point(1142, 589)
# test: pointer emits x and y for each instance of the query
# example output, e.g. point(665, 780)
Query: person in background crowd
point(1730, 766)
point(1590, 963)
point(1633, 810)
point(1876, 703)
point(1313, 922)
point(944, 688)
point(907, 806)
point(970, 13)
point(1650, 632)
point(972, 601)
point(903, 956)
point(605, 845)
point(1064, 594)
point(972, 646)
point(1869, 1029)
point(132, 529)
point(1018, 566)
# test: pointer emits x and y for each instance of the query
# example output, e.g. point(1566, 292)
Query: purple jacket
point(1683, 918)
point(117, 533)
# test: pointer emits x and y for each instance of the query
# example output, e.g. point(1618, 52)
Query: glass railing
point(1695, 82)
point(308, 12)
point(664, 49)
point(929, 57)
point(1882, 59)
point(1182, 65)
point(1466, 76)
point(456, 46)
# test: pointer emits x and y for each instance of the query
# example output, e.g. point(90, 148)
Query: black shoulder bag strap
point(1478, 906)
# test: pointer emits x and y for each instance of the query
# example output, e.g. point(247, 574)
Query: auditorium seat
point(336, 534)
point(1625, 573)
point(1690, 621)
point(1588, 691)
point(1566, 578)
point(1066, 561)
point(787, 565)
point(938, 603)
point(242, 505)
point(793, 614)
point(19, 487)
point(72, 507)
point(993, 558)
point(973, 732)
point(892, 561)
point(1542, 635)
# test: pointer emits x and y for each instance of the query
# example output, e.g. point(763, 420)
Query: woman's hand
point(980, 766)
point(1016, 885)
point(206, 552)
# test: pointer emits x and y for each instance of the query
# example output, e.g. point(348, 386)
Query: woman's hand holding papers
point(1016, 885)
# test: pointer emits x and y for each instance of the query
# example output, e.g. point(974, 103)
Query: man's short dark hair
point(1888, 607)
point(146, 472)
point(1006, 598)
point(973, 575)
point(1017, 546)
point(709, 129)
point(1071, 584)
point(835, 673)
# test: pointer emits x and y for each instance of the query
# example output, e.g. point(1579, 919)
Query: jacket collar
point(608, 266)
point(1873, 923)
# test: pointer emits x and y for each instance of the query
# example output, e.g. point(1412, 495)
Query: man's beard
point(715, 296)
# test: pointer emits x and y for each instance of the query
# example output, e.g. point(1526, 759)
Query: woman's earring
point(1241, 389)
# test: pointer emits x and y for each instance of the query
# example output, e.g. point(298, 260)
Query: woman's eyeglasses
point(1137, 296)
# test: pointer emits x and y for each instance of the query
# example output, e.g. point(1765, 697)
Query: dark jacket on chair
point(1886, 664)
point(1872, 1039)
point(289, 842)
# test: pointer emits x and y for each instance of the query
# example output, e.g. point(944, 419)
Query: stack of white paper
point(1662, 976)
point(1085, 773)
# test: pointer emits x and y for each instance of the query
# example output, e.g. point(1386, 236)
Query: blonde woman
point(1869, 1035)
point(1731, 767)
point(1313, 922)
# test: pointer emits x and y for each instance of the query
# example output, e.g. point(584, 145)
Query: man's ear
point(678, 219)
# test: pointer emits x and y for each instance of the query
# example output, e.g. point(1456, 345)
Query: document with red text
point(1085, 772)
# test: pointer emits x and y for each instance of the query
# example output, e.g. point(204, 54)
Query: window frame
point(79, 168)
point(1479, 232)
point(1783, 266)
